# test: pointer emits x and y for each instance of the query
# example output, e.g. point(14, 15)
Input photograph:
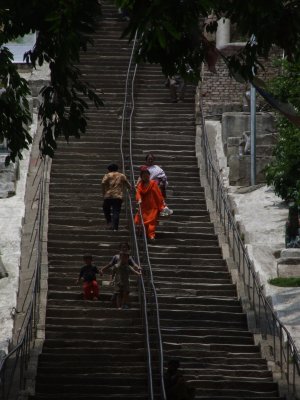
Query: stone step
point(75, 389)
point(198, 300)
point(91, 357)
point(89, 396)
point(99, 350)
point(96, 322)
point(192, 343)
point(93, 312)
point(107, 330)
point(213, 323)
point(121, 379)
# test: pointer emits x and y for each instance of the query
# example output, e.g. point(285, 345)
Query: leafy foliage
point(64, 29)
point(15, 116)
point(172, 32)
point(284, 172)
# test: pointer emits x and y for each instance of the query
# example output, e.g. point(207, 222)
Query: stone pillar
point(223, 32)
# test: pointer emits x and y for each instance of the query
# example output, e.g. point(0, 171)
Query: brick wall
point(222, 93)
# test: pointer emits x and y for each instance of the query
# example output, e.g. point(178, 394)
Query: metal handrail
point(16, 361)
point(137, 249)
point(285, 351)
point(142, 289)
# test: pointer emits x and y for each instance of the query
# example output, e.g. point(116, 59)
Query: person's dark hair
point(112, 167)
point(150, 154)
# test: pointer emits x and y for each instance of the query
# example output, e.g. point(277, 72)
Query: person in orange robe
point(149, 196)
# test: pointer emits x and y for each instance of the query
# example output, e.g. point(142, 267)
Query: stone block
point(3, 272)
point(288, 271)
point(233, 146)
point(233, 141)
point(290, 253)
point(240, 169)
point(8, 177)
point(235, 123)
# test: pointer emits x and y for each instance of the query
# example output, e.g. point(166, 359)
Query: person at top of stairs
point(113, 186)
point(88, 274)
point(122, 265)
point(176, 85)
point(151, 200)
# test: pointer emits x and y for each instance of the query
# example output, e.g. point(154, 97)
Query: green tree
point(284, 171)
point(171, 32)
point(64, 30)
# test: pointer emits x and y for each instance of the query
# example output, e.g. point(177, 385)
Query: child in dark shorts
point(122, 264)
point(88, 275)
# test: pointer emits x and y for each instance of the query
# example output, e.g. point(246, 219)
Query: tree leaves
point(64, 30)
point(171, 32)
point(284, 171)
point(15, 116)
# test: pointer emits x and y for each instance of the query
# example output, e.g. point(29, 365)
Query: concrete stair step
point(213, 323)
point(75, 389)
point(199, 300)
point(94, 378)
point(96, 322)
point(187, 341)
point(105, 330)
point(94, 396)
point(191, 275)
point(91, 358)
point(92, 312)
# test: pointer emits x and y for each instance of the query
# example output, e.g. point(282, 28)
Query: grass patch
point(285, 282)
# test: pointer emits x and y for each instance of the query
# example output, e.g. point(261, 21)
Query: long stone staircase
point(91, 350)
point(203, 324)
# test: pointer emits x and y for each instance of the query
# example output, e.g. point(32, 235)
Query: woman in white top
point(157, 174)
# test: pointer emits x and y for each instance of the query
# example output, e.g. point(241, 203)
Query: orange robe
point(152, 204)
